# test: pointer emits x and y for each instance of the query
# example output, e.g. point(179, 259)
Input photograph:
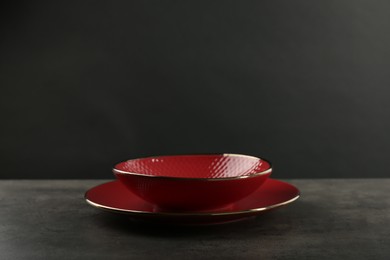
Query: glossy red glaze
point(115, 197)
point(193, 182)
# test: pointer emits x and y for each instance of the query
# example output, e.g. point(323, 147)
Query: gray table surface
point(333, 219)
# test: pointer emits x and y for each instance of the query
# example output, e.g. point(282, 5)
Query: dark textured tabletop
point(333, 219)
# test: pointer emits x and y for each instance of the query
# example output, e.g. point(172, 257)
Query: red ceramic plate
point(115, 197)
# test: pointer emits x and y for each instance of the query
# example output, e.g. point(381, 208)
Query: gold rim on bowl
point(269, 170)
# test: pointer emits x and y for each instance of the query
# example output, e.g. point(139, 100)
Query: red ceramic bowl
point(193, 182)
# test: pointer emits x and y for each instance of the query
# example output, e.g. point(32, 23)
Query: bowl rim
point(252, 175)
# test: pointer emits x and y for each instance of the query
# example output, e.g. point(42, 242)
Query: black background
point(87, 84)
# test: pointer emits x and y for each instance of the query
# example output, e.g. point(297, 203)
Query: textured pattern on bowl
point(195, 166)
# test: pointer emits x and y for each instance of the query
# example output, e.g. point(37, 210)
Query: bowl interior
point(195, 166)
